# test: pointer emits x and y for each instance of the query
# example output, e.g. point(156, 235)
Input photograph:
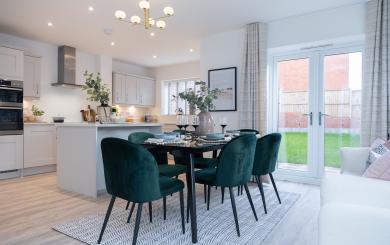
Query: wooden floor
point(30, 206)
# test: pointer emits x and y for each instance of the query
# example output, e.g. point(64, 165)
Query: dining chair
point(131, 173)
point(234, 168)
point(266, 156)
point(165, 169)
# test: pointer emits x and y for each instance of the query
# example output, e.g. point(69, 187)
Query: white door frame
point(316, 81)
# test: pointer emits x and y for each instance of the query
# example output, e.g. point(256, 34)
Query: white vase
point(206, 123)
point(104, 113)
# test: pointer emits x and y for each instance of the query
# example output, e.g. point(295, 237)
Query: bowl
point(165, 136)
point(215, 136)
point(58, 119)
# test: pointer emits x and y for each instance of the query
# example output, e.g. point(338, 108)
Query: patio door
point(316, 108)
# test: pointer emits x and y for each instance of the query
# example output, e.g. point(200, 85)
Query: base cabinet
point(39, 145)
point(11, 152)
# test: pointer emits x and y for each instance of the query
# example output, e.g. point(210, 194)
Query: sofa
point(354, 210)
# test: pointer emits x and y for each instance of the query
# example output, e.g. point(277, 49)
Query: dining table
point(189, 152)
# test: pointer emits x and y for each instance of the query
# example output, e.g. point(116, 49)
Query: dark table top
point(188, 149)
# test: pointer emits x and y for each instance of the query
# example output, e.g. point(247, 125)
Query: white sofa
point(354, 210)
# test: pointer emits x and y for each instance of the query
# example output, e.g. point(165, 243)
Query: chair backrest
point(130, 171)
point(245, 130)
point(140, 137)
point(267, 149)
point(236, 161)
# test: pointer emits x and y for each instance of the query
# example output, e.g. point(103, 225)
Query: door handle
point(310, 115)
point(320, 115)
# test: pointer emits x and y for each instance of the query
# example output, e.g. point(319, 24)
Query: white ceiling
point(74, 25)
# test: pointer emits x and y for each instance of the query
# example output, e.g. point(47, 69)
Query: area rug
point(215, 226)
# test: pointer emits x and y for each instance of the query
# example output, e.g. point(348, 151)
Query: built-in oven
point(11, 107)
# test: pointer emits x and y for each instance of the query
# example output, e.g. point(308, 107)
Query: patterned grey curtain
point(253, 106)
point(376, 83)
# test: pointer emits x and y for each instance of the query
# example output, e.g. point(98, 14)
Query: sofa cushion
point(380, 169)
point(355, 190)
point(342, 224)
point(377, 149)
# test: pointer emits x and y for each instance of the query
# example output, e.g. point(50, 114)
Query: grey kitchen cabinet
point(11, 63)
point(32, 76)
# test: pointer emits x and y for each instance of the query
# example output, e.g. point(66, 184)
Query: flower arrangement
point(95, 89)
point(201, 99)
point(36, 111)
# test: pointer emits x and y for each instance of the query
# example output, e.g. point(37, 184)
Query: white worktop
point(98, 125)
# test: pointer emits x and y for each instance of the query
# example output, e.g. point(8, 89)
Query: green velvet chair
point(267, 149)
point(131, 174)
point(234, 168)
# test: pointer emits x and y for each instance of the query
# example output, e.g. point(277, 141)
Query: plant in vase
point(98, 92)
point(202, 100)
point(37, 113)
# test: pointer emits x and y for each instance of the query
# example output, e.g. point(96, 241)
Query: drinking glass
point(223, 123)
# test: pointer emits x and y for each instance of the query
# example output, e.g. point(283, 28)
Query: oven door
point(11, 120)
point(10, 96)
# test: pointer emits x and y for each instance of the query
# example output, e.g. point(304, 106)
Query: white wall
point(226, 49)
point(172, 72)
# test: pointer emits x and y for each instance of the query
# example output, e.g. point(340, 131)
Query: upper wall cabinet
point(11, 63)
point(133, 90)
point(32, 76)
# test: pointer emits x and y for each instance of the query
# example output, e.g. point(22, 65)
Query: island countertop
point(108, 125)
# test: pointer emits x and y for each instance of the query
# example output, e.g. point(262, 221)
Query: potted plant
point(37, 113)
point(98, 92)
point(201, 100)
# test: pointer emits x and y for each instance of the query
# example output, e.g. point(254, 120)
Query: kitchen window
point(170, 91)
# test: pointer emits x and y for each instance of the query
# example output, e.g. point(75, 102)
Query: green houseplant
point(202, 100)
point(98, 92)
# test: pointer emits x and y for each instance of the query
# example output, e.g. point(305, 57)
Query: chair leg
point(208, 197)
point(204, 192)
point(223, 193)
point(108, 213)
point(182, 211)
point(137, 222)
point(248, 194)
point(131, 212)
point(127, 205)
point(150, 212)
point(234, 210)
point(238, 190)
point(276, 189)
point(260, 185)
point(188, 207)
point(165, 207)
point(242, 189)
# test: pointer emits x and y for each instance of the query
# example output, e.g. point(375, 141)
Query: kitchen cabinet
point(40, 143)
point(11, 152)
point(11, 63)
point(32, 76)
point(133, 90)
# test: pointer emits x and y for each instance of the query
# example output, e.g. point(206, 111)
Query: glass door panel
point(342, 76)
point(294, 117)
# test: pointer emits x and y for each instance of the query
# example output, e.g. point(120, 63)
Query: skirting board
point(39, 170)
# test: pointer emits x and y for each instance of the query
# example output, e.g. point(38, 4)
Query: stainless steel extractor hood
point(66, 67)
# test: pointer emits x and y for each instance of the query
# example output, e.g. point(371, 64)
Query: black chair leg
point(276, 190)
point(238, 190)
point(137, 222)
point(260, 185)
point(127, 205)
point(248, 194)
point(223, 193)
point(204, 192)
point(131, 212)
point(182, 212)
point(188, 207)
point(234, 210)
point(208, 197)
point(108, 213)
point(165, 207)
point(242, 189)
point(150, 212)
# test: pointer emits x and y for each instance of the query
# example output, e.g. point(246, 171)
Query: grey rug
point(215, 226)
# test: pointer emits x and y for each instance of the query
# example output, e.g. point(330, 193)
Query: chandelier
point(148, 21)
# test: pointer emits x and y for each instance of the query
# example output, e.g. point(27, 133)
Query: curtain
point(253, 111)
point(376, 84)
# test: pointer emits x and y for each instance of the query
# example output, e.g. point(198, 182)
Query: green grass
point(293, 148)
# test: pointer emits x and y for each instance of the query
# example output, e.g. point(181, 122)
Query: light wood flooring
point(30, 206)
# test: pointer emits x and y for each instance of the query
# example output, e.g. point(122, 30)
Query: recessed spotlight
point(154, 56)
point(90, 8)
point(112, 44)
point(49, 24)
point(152, 34)
point(191, 50)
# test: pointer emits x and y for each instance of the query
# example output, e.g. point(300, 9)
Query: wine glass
point(179, 122)
point(195, 121)
point(223, 123)
point(185, 123)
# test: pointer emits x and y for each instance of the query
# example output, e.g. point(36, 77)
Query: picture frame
point(225, 79)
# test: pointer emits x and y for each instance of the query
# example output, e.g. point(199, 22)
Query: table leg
point(192, 194)
point(215, 154)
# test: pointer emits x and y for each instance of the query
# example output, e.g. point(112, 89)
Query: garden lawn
point(293, 148)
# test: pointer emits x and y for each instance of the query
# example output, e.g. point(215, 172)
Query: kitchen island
point(79, 157)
